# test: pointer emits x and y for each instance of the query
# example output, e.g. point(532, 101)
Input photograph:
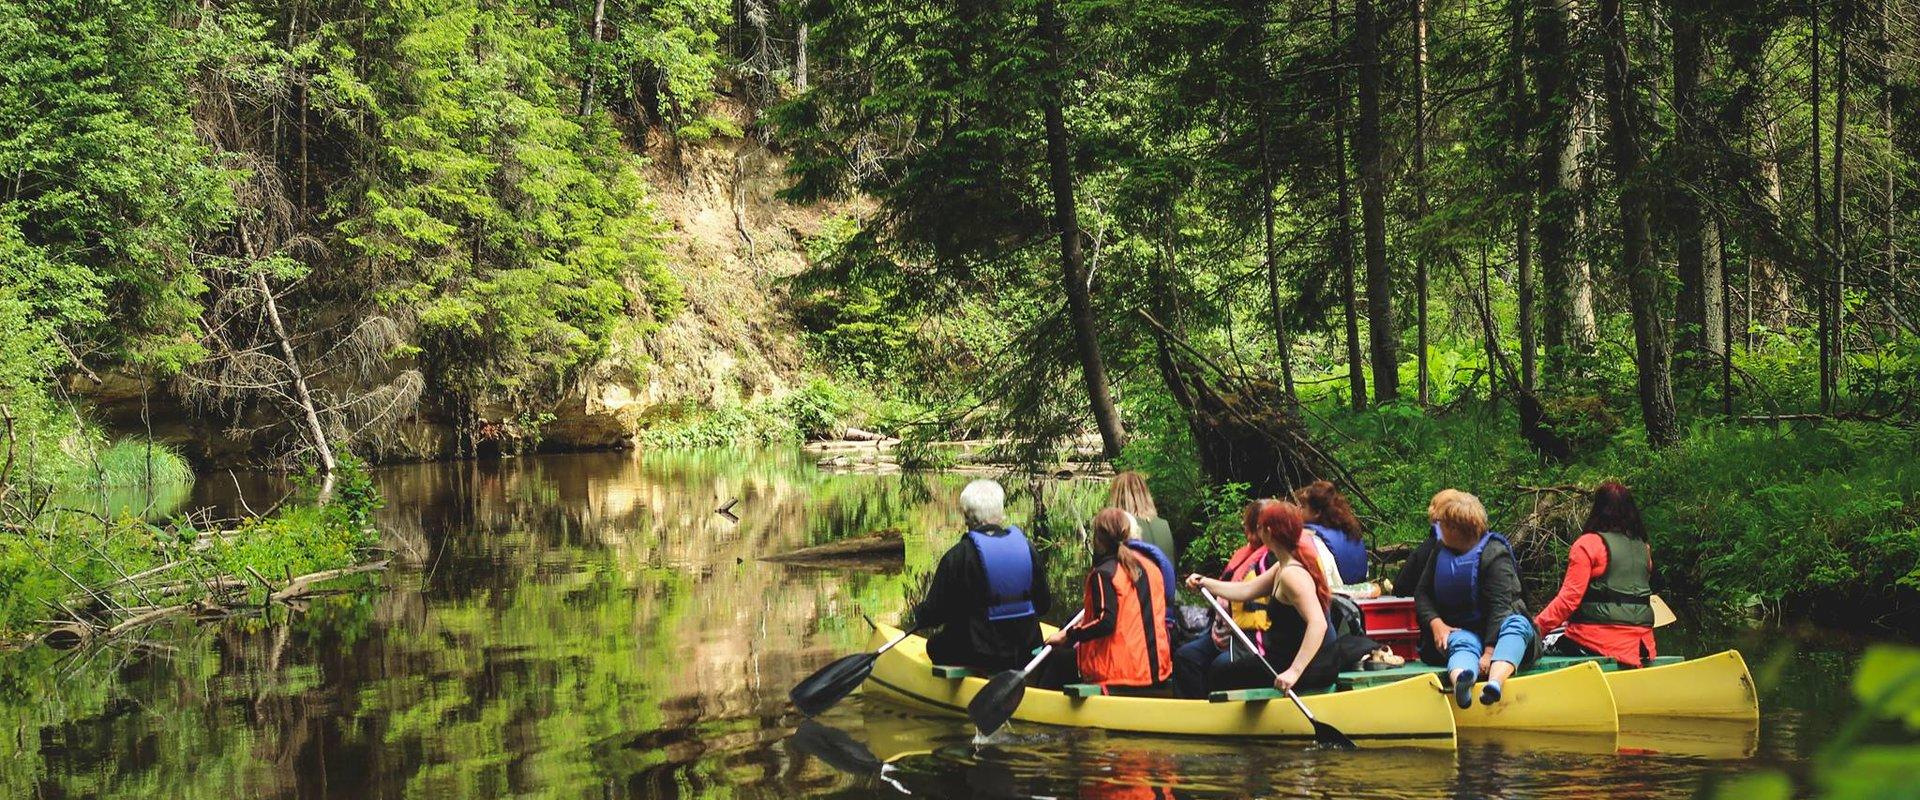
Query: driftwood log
point(877, 549)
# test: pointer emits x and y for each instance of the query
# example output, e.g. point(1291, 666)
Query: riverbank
point(69, 575)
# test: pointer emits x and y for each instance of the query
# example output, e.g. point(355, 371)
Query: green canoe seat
point(951, 673)
point(1363, 678)
point(1267, 693)
point(1551, 663)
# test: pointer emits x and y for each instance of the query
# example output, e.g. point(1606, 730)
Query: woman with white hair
point(989, 590)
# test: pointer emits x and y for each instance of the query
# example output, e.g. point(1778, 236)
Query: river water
point(588, 626)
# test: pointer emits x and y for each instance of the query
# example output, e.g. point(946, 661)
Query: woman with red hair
point(1297, 644)
point(1606, 598)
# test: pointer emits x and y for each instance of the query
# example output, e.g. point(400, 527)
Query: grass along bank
point(71, 574)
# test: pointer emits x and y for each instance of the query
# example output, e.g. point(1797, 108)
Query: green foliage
point(132, 462)
point(1221, 532)
point(518, 233)
point(109, 184)
point(1887, 685)
point(92, 551)
point(815, 409)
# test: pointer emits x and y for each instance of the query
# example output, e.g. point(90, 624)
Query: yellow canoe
point(1413, 711)
point(1574, 699)
point(1711, 687)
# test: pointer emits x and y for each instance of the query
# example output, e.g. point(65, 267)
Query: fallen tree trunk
point(875, 547)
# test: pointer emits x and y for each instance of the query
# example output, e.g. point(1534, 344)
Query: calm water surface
point(587, 626)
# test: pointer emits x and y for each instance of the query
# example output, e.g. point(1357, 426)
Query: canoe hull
point(1574, 699)
point(1413, 711)
point(1711, 687)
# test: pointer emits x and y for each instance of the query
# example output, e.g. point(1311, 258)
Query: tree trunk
point(1381, 334)
point(1269, 250)
point(799, 58)
point(1424, 377)
point(1343, 233)
point(1838, 287)
point(1888, 256)
point(1775, 302)
point(593, 57)
point(1638, 266)
point(1823, 312)
point(1557, 164)
point(301, 395)
point(1523, 216)
point(1696, 237)
point(1066, 221)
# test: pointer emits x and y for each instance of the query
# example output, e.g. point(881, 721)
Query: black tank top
point(1282, 640)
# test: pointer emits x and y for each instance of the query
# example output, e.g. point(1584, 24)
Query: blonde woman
point(1469, 602)
point(1129, 493)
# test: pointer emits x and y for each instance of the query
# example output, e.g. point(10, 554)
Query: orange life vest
point(1251, 615)
point(1137, 653)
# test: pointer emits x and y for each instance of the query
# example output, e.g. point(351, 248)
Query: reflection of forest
point(570, 625)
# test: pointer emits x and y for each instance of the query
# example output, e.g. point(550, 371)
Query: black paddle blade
point(836, 748)
point(821, 690)
point(1324, 734)
point(995, 703)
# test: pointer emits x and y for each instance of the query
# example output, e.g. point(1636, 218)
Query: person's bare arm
point(1252, 588)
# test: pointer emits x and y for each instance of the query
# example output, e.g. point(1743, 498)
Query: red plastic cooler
point(1391, 622)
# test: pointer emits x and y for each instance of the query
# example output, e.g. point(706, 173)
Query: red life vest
point(1137, 653)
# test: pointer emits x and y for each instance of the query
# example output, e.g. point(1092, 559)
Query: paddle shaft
point(1244, 639)
point(1048, 650)
point(896, 640)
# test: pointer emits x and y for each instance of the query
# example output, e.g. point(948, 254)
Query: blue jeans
point(1464, 646)
point(1193, 661)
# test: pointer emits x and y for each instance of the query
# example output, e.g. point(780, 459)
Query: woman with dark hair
point(1606, 598)
point(1331, 518)
point(1193, 661)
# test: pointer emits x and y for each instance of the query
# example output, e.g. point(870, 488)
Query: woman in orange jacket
point(1122, 638)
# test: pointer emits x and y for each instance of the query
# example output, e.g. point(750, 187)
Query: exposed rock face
point(728, 240)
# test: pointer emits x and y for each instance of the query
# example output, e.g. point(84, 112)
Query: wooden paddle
point(1662, 615)
point(1322, 732)
point(833, 682)
point(996, 702)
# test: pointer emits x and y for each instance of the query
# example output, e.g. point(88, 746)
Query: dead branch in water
point(221, 594)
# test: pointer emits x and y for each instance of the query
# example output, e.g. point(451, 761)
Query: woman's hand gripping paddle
point(1322, 732)
point(833, 682)
point(995, 703)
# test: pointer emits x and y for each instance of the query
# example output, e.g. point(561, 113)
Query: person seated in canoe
point(1121, 639)
point(1299, 640)
point(988, 591)
point(1151, 537)
point(1331, 520)
point(1469, 601)
point(1605, 600)
point(1129, 493)
point(1194, 660)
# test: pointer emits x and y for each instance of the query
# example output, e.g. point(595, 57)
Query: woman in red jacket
point(1605, 600)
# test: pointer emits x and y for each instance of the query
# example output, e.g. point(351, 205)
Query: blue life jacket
point(1456, 583)
point(1349, 553)
point(1166, 571)
point(1008, 561)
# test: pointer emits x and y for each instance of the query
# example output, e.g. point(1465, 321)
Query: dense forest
point(1510, 246)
